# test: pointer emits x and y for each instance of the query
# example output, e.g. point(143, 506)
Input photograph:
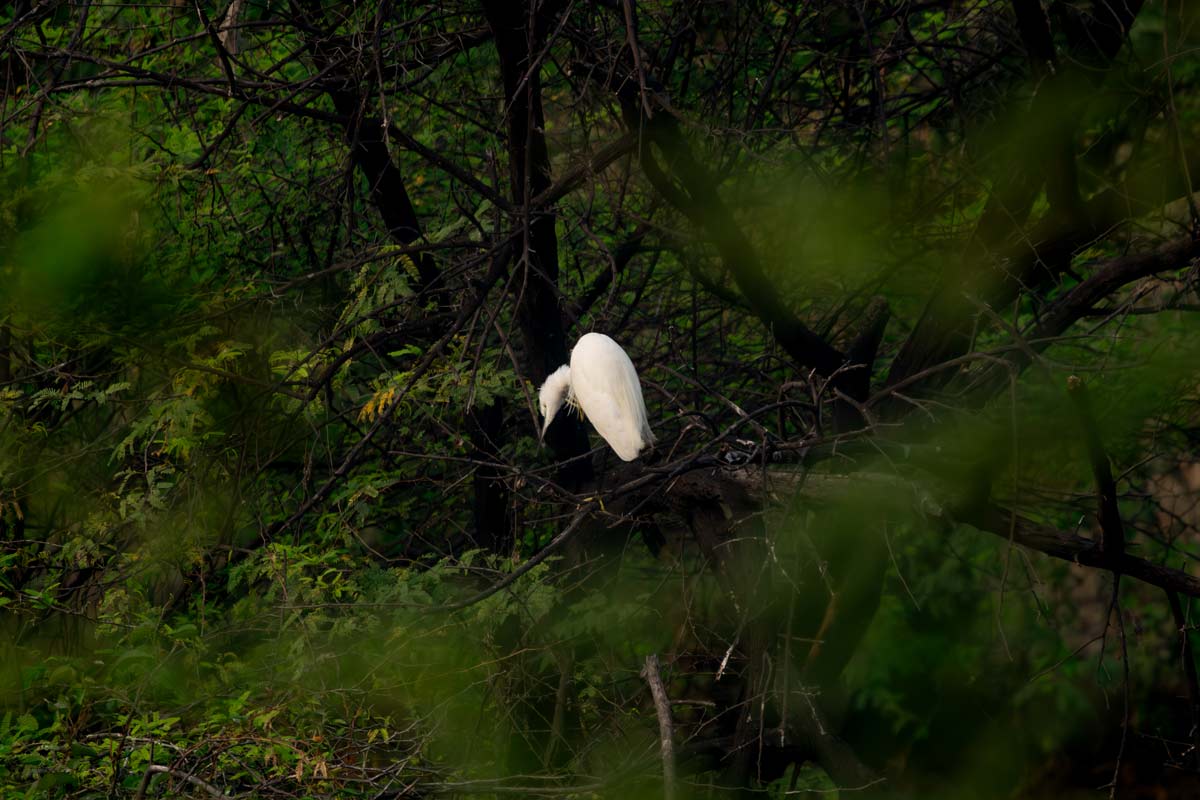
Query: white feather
point(604, 383)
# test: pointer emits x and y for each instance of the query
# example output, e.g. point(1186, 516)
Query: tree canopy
point(912, 291)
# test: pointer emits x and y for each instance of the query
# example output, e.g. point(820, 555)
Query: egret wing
point(606, 386)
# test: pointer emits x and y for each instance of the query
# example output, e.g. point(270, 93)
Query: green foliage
point(243, 445)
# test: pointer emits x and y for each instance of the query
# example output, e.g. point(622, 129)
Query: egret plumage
point(602, 384)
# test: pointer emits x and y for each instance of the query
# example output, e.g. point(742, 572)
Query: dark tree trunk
point(385, 182)
point(519, 39)
point(492, 512)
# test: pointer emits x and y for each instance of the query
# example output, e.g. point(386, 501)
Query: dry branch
point(158, 769)
point(666, 729)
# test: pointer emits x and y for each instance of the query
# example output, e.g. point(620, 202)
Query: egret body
point(602, 384)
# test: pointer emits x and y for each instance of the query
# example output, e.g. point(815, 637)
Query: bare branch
point(666, 729)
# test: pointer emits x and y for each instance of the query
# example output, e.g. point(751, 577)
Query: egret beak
point(542, 434)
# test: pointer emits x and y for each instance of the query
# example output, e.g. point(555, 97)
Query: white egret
point(602, 385)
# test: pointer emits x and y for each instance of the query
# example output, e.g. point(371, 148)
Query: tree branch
point(666, 729)
point(519, 33)
point(1085, 552)
point(1112, 529)
point(998, 262)
point(698, 199)
point(1188, 662)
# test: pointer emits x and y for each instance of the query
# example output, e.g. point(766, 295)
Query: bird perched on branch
point(602, 385)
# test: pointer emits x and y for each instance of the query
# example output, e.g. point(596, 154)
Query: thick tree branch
point(1106, 279)
point(1110, 276)
point(697, 197)
point(692, 190)
point(368, 151)
point(1085, 552)
point(780, 486)
point(860, 357)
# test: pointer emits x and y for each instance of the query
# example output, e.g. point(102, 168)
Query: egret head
point(553, 394)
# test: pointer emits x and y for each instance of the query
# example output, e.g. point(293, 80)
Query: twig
point(183, 776)
point(512, 577)
point(1189, 670)
point(1112, 530)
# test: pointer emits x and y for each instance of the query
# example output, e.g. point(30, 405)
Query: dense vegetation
point(912, 290)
